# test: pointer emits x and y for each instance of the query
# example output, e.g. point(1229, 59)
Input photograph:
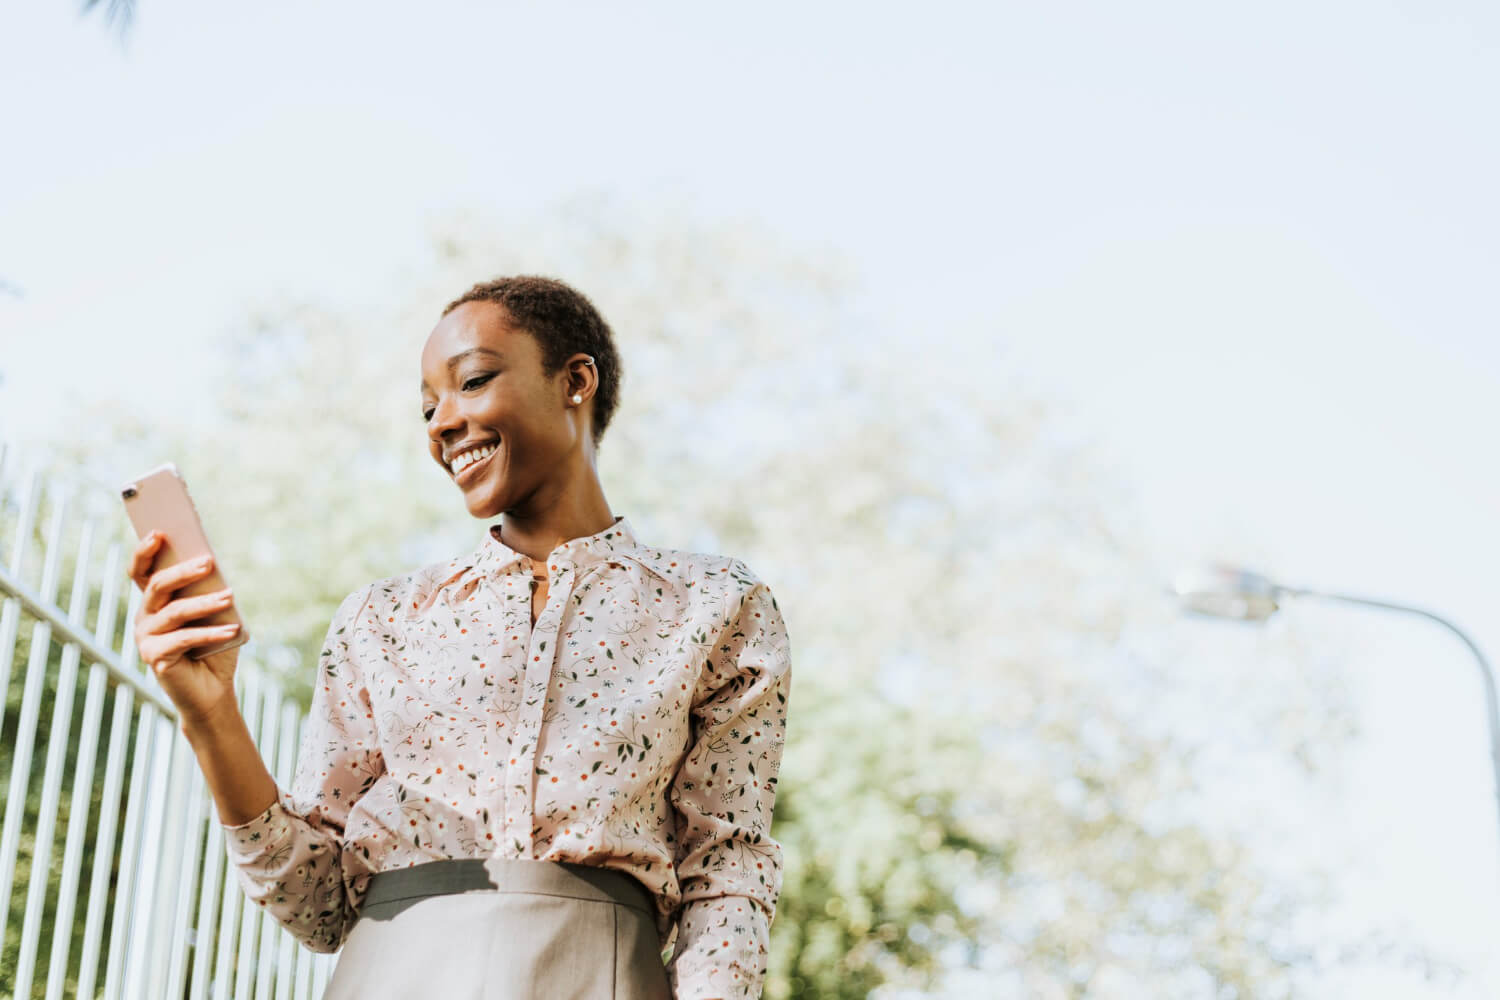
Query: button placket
point(507, 820)
point(541, 656)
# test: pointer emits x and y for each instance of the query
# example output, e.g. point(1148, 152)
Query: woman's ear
point(582, 378)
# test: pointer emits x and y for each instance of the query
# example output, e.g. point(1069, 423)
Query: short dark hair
point(564, 322)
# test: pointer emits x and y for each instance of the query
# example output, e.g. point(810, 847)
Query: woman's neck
point(537, 535)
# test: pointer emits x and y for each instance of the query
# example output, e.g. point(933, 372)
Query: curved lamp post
point(1227, 592)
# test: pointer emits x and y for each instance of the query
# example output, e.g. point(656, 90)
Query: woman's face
point(484, 394)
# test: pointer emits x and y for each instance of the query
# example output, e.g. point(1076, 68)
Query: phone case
point(159, 501)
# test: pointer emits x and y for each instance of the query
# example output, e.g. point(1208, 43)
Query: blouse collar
point(494, 558)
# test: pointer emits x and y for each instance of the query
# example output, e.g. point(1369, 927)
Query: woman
point(529, 769)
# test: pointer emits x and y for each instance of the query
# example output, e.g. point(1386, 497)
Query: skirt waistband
point(388, 893)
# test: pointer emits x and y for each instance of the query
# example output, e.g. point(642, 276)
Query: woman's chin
point(483, 504)
point(483, 498)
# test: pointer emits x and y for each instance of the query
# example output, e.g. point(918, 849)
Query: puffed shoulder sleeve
point(728, 867)
point(290, 859)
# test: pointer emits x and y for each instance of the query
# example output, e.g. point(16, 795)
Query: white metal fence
point(113, 871)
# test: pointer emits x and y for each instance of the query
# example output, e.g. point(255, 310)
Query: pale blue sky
point(1256, 248)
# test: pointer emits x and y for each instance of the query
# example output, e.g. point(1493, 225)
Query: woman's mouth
point(475, 469)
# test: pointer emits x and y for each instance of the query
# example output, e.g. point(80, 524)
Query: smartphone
point(159, 501)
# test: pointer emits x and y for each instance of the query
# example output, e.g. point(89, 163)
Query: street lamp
point(1226, 592)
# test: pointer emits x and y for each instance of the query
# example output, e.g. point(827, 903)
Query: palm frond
point(117, 12)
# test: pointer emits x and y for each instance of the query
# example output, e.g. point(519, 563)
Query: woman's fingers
point(167, 649)
point(163, 583)
point(166, 620)
point(186, 609)
point(161, 632)
point(143, 556)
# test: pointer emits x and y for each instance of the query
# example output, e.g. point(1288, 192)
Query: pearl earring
point(577, 398)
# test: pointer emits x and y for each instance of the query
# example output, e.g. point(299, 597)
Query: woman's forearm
point(237, 778)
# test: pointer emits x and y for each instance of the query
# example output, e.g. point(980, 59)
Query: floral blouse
point(637, 726)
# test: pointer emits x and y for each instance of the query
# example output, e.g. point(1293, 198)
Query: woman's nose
point(444, 418)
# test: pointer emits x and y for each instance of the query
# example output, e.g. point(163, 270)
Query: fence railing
point(114, 876)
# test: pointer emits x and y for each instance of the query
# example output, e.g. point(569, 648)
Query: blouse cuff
point(721, 950)
point(251, 838)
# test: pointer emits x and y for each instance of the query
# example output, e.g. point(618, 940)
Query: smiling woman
point(563, 742)
point(525, 367)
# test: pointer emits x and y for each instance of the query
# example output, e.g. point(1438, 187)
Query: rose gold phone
point(159, 501)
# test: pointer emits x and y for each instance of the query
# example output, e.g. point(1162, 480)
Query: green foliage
point(871, 814)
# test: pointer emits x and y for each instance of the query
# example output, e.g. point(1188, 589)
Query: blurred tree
point(974, 791)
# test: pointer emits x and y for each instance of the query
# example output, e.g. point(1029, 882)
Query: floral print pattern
point(638, 725)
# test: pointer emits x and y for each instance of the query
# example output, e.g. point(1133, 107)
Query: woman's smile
point(474, 470)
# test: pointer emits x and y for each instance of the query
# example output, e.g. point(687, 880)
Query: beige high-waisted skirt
point(538, 929)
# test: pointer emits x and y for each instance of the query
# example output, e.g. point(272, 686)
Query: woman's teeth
point(468, 458)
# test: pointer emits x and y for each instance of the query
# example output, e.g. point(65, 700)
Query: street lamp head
point(1220, 591)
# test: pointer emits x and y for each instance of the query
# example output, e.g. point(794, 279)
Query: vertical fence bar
point(83, 775)
point(214, 863)
point(169, 891)
point(322, 969)
point(148, 861)
point(52, 772)
point(270, 930)
point(145, 927)
point(109, 811)
point(31, 707)
point(300, 984)
point(135, 809)
point(286, 761)
point(303, 984)
point(229, 916)
point(276, 754)
point(186, 875)
point(304, 974)
point(104, 844)
point(10, 619)
point(180, 841)
point(252, 919)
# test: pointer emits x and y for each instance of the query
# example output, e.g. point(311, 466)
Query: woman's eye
point(470, 383)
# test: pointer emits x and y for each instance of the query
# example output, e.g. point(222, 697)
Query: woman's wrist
point(236, 776)
point(207, 726)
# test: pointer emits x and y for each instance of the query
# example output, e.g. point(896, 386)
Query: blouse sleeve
point(728, 867)
point(290, 859)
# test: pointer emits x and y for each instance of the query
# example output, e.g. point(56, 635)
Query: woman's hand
point(201, 689)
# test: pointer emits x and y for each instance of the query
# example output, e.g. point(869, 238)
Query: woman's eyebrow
point(454, 361)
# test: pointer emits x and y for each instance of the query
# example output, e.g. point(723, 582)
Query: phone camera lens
point(128, 492)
